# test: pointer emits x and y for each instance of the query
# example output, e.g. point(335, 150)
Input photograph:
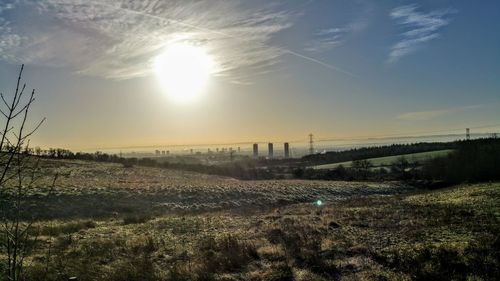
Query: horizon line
point(302, 141)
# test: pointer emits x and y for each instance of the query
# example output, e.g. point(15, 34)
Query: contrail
point(287, 51)
point(330, 66)
point(165, 19)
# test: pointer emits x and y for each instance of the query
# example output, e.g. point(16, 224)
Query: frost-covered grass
point(115, 224)
point(449, 234)
point(89, 189)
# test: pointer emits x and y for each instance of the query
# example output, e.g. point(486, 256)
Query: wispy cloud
point(327, 39)
point(420, 28)
point(429, 115)
point(119, 39)
point(8, 38)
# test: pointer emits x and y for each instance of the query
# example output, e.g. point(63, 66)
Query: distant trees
point(374, 152)
point(400, 167)
point(473, 161)
point(362, 167)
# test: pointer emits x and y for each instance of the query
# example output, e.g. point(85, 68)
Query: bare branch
point(3, 113)
point(17, 86)
point(28, 104)
point(4, 101)
point(19, 96)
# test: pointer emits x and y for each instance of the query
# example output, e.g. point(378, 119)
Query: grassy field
point(387, 161)
point(88, 189)
point(106, 222)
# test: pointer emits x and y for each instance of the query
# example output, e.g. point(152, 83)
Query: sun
point(183, 71)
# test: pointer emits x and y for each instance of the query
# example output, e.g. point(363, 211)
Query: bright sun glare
point(183, 71)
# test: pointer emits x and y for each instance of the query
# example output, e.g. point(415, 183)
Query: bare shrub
point(226, 254)
point(18, 173)
point(279, 272)
point(302, 245)
point(136, 218)
point(66, 228)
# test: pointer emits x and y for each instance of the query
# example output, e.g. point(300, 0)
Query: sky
point(281, 69)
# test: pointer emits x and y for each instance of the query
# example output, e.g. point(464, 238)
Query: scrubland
point(90, 189)
point(107, 222)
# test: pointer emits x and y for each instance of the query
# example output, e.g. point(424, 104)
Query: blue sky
point(284, 68)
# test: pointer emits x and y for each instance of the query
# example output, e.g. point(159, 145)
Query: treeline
point(60, 153)
point(246, 170)
point(374, 152)
point(471, 161)
point(361, 170)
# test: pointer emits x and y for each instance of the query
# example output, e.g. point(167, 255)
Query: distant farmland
point(388, 160)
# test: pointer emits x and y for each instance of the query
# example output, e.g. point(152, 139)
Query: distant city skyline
point(298, 148)
point(127, 73)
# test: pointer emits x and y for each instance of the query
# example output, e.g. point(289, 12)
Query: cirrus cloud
point(433, 114)
point(420, 28)
point(327, 39)
point(120, 39)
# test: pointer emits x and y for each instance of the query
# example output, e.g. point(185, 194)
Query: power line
point(311, 143)
point(408, 134)
point(305, 140)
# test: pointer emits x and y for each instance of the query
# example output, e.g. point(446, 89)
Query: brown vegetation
point(393, 233)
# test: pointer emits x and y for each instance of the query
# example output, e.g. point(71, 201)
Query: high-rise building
point(270, 149)
point(287, 150)
point(255, 150)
